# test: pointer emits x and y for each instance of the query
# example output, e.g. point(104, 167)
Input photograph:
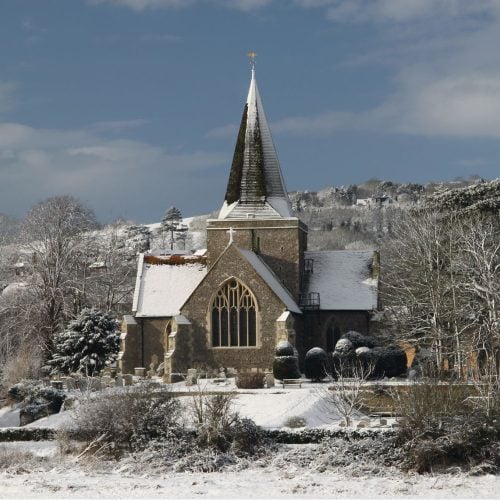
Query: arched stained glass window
point(234, 316)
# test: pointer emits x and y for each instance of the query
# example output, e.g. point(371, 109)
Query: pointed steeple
point(256, 187)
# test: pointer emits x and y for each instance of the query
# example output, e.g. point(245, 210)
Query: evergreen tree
point(90, 343)
point(172, 224)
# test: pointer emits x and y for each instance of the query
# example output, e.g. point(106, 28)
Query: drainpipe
point(142, 343)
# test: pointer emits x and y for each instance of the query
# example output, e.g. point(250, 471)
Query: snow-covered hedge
point(26, 434)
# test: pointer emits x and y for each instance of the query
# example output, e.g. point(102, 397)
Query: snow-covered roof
point(161, 289)
point(270, 278)
point(344, 280)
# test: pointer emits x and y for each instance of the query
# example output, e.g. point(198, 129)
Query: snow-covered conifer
point(87, 345)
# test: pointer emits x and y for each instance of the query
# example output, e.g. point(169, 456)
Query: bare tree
point(441, 280)
point(56, 234)
point(109, 273)
point(415, 282)
point(345, 396)
point(480, 266)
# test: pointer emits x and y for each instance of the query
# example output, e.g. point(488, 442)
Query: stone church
point(255, 285)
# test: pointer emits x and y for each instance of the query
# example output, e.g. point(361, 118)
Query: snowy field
point(47, 474)
point(114, 481)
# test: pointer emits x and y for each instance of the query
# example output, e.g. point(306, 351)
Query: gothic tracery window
point(234, 316)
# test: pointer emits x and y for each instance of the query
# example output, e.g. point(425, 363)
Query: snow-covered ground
point(271, 482)
point(66, 477)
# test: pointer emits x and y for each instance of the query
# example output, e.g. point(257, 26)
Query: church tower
point(256, 209)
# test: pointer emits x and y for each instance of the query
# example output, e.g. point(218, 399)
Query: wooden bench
point(292, 381)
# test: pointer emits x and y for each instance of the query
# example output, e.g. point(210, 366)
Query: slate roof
point(255, 183)
point(343, 278)
point(161, 289)
point(270, 278)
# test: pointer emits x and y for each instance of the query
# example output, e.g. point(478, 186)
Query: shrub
point(316, 364)
point(220, 428)
point(37, 401)
point(129, 419)
point(25, 364)
point(389, 361)
point(90, 343)
point(11, 458)
point(344, 364)
point(439, 428)
point(286, 367)
point(284, 348)
point(359, 340)
point(250, 381)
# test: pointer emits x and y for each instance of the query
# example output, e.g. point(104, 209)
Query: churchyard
point(299, 445)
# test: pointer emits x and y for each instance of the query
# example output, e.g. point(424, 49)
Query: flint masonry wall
point(143, 343)
point(280, 242)
point(232, 264)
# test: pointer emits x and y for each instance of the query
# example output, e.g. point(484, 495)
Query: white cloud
point(245, 5)
point(119, 125)
point(110, 175)
point(399, 11)
point(465, 106)
point(141, 5)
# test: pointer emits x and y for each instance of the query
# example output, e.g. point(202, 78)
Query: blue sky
point(132, 105)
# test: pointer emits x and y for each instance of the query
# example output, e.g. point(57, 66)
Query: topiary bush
point(361, 351)
point(284, 348)
point(286, 361)
point(286, 367)
point(359, 340)
point(389, 361)
point(316, 364)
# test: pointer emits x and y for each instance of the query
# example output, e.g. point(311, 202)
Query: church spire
point(256, 186)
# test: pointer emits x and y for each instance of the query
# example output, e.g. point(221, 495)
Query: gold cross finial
point(252, 55)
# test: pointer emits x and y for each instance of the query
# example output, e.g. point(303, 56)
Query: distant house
point(255, 285)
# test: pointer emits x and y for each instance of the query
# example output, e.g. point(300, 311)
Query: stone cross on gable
point(231, 233)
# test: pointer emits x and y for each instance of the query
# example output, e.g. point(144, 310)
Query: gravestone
point(191, 377)
point(269, 378)
point(119, 380)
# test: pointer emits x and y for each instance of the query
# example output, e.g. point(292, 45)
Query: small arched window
point(233, 315)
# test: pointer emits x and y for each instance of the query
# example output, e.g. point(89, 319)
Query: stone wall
point(280, 242)
point(130, 345)
point(143, 343)
point(196, 309)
